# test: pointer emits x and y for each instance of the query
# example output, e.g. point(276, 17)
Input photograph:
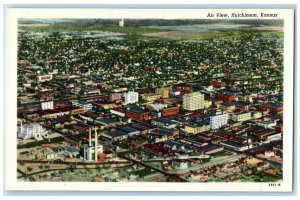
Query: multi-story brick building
point(137, 114)
point(169, 111)
point(226, 97)
point(272, 108)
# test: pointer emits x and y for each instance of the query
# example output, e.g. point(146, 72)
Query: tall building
point(193, 101)
point(131, 97)
point(218, 120)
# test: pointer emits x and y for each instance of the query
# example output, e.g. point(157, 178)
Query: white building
point(51, 156)
point(47, 105)
point(219, 120)
point(274, 137)
point(267, 123)
point(208, 88)
point(131, 97)
point(193, 101)
point(33, 130)
point(117, 112)
point(241, 117)
point(86, 106)
point(19, 124)
point(175, 93)
point(157, 106)
point(236, 145)
point(179, 165)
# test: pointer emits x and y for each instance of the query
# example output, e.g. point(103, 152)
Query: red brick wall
point(226, 98)
point(170, 112)
point(137, 116)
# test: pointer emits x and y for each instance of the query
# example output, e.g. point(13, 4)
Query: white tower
point(121, 23)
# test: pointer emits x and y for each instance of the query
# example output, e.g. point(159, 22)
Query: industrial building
point(93, 148)
point(33, 130)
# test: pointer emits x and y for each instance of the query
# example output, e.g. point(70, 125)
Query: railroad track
point(76, 163)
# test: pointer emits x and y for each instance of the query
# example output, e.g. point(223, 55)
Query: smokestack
point(21, 126)
point(90, 137)
point(96, 145)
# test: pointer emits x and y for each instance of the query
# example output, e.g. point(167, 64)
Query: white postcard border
point(11, 104)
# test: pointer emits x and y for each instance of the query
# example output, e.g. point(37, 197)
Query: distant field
point(66, 28)
point(176, 35)
point(153, 32)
